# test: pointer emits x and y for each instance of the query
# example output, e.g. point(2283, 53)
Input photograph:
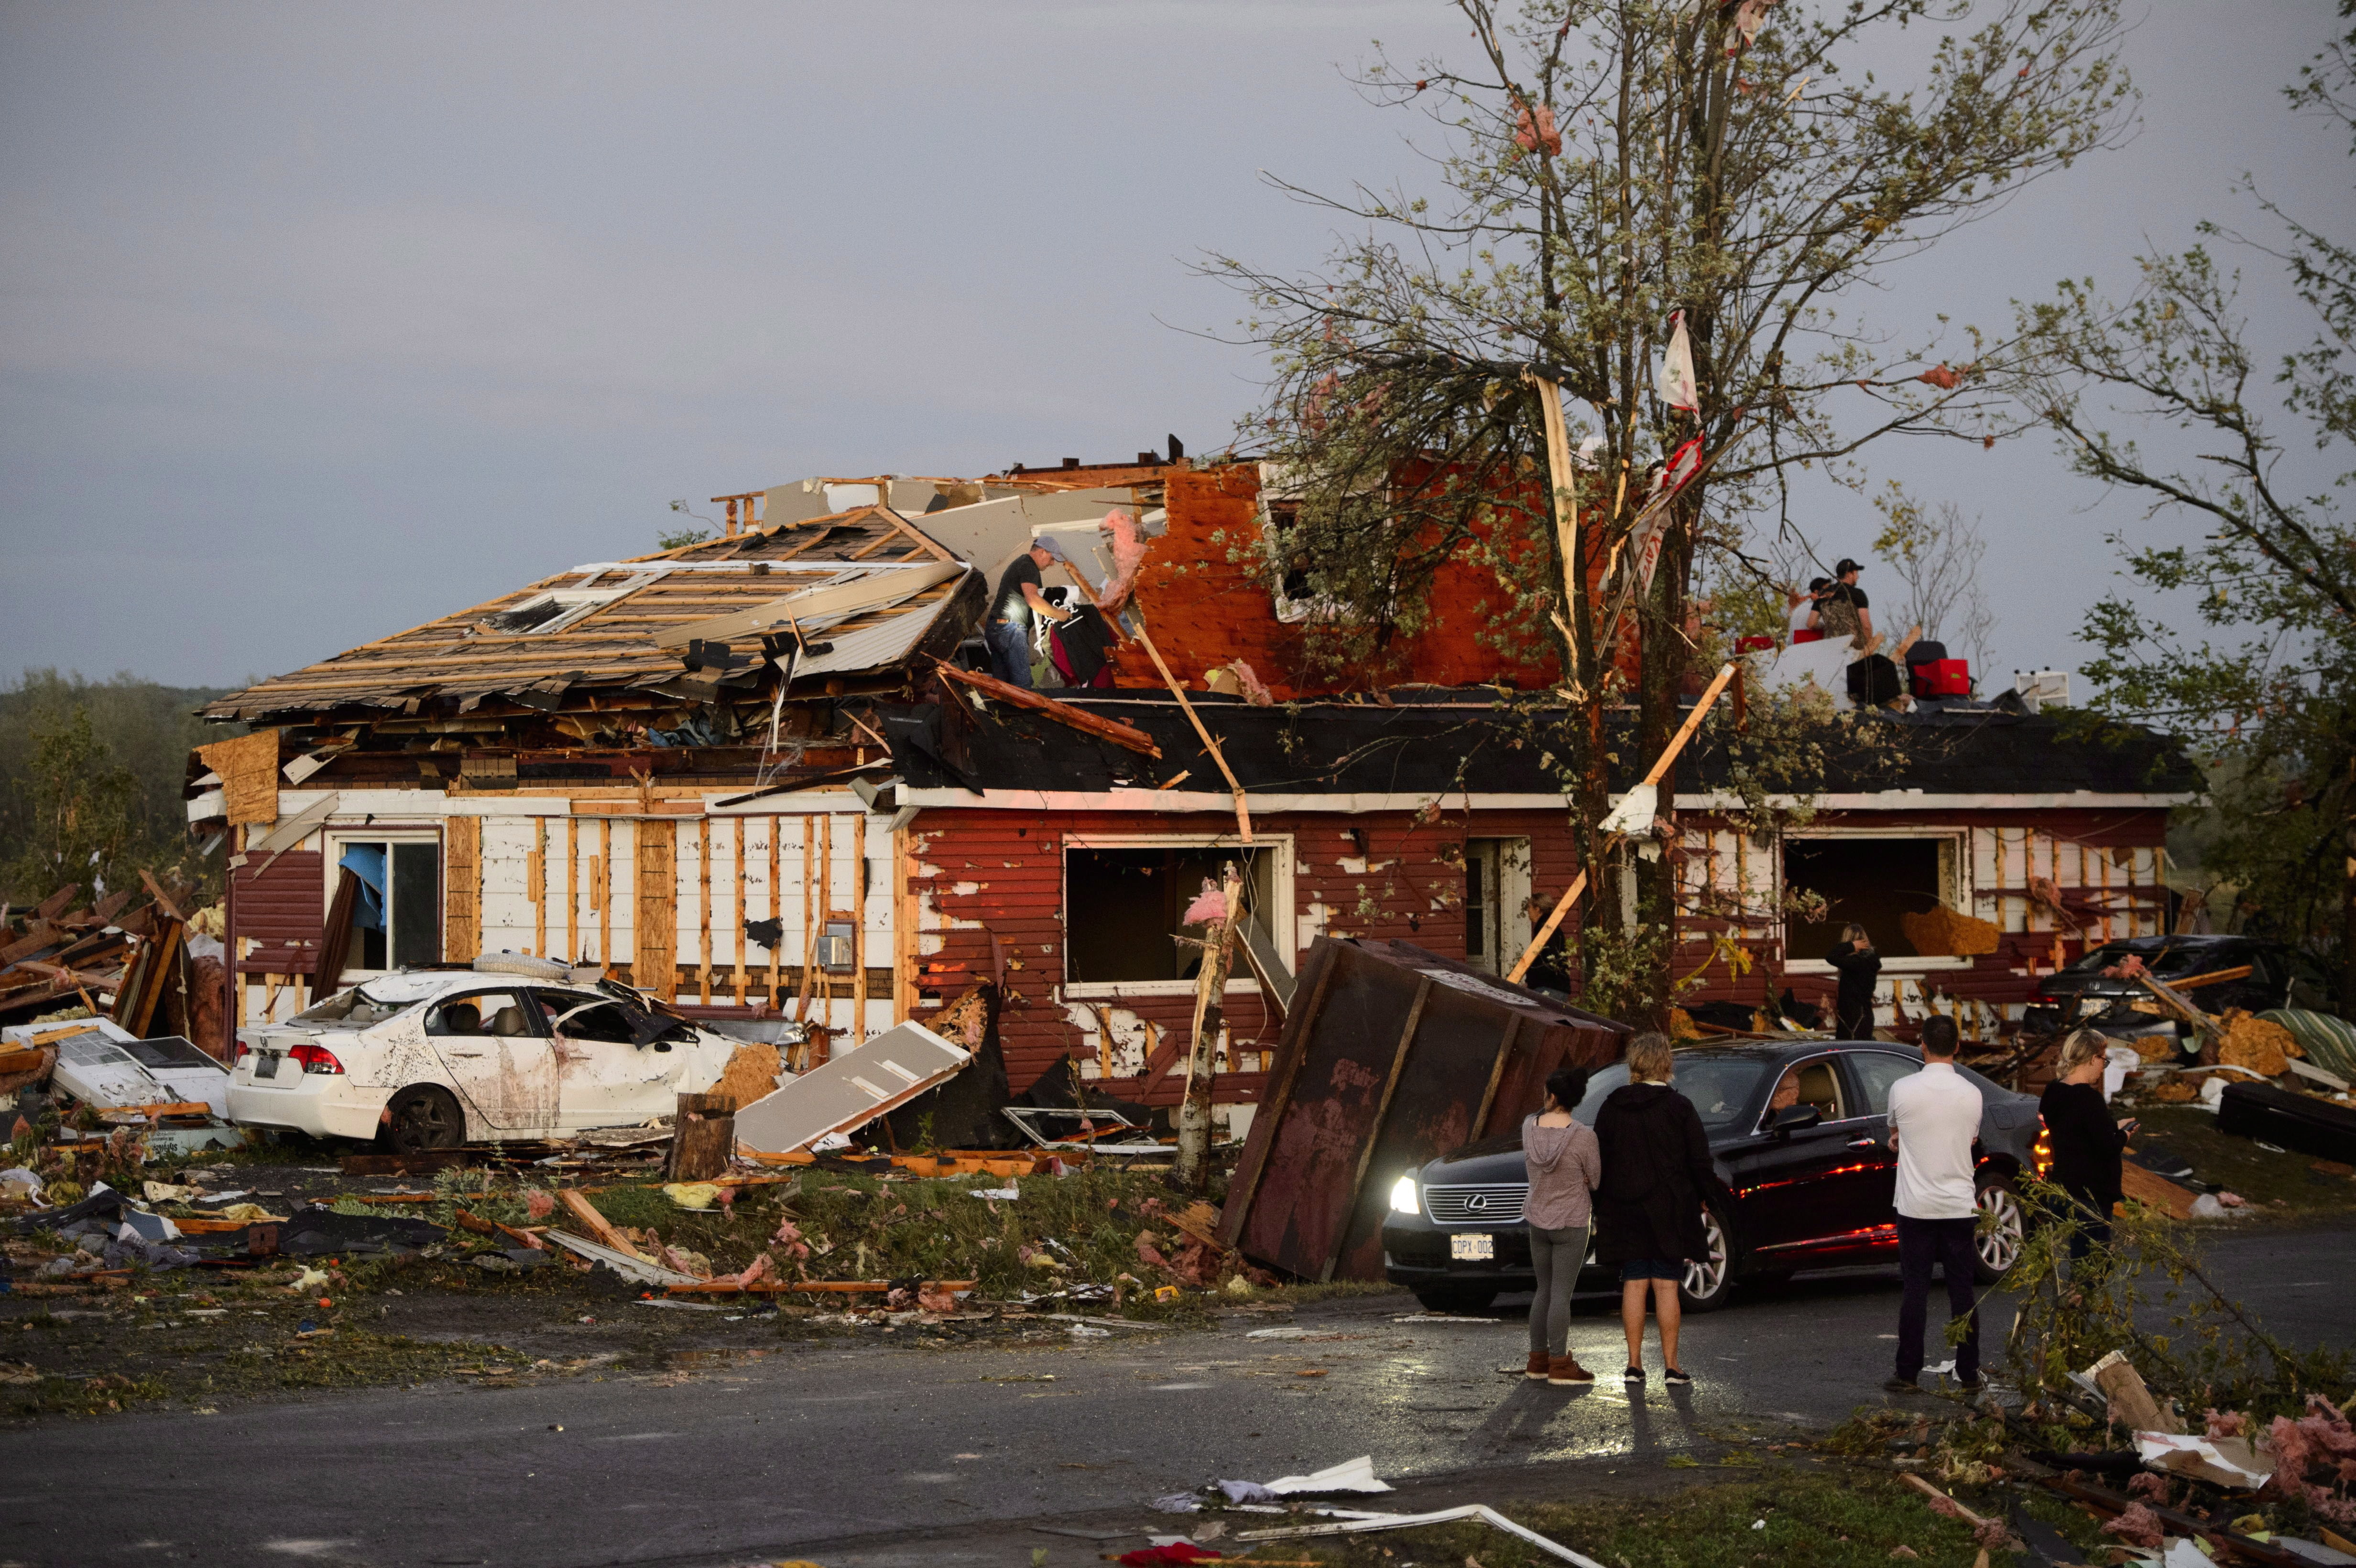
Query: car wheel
point(2003, 1226)
point(1456, 1298)
point(426, 1118)
point(1708, 1284)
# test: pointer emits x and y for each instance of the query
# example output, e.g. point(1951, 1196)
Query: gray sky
point(317, 322)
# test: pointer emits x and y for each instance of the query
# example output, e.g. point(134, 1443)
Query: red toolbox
point(1943, 678)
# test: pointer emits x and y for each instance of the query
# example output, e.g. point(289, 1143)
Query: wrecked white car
point(430, 1058)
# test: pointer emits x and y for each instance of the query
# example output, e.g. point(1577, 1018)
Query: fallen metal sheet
point(1350, 1476)
point(850, 1091)
point(105, 1064)
point(1481, 1511)
point(630, 1268)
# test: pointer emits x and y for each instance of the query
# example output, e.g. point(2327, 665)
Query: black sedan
point(2280, 977)
point(1809, 1185)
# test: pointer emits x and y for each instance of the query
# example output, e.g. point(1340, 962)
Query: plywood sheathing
point(249, 771)
point(654, 909)
point(462, 870)
point(616, 644)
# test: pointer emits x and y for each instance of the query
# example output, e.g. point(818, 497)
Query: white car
point(435, 1058)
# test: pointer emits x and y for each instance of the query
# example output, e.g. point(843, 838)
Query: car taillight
point(2041, 1152)
point(317, 1058)
point(244, 1050)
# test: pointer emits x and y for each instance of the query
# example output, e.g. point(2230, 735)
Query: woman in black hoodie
point(1648, 1211)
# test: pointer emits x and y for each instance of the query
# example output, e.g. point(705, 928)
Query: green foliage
point(1743, 184)
point(692, 533)
point(2258, 668)
point(96, 768)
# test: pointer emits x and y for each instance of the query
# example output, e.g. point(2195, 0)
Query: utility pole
point(1193, 1170)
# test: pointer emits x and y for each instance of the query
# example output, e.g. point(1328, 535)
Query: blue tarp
point(366, 862)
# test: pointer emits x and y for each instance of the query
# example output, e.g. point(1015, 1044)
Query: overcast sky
point(320, 320)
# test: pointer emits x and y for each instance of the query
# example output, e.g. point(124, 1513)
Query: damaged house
point(762, 775)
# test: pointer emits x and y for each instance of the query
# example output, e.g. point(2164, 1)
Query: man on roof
point(1842, 611)
point(1015, 613)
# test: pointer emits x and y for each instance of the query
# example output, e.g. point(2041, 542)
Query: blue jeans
point(1010, 652)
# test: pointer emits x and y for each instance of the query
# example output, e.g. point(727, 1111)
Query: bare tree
point(1936, 553)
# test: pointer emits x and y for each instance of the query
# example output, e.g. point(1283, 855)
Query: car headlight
point(1403, 1196)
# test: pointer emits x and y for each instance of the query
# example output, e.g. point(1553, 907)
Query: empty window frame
point(1496, 902)
point(397, 920)
point(1875, 881)
point(558, 608)
point(1123, 901)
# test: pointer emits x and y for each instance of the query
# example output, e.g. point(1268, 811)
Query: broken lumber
point(817, 1287)
point(1243, 812)
point(600, 1229)
point(1103, 729)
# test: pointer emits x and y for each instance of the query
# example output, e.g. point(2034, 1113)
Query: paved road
point(859, 1455)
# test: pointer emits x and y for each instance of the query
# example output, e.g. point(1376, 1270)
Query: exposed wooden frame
point(777, 910)
point(1103, 729)
point(704, 909)
point(740, 824)
point(859, 929)
point(535, 885)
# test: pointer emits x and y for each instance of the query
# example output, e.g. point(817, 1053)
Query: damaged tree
point(1194, 1163)
point(1632, 183)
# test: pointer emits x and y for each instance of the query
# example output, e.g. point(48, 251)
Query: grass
point(2284, 1186)
point(1822, 1515)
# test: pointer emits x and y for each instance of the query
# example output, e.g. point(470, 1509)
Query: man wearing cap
point(1008, 630)
point(1842, 611)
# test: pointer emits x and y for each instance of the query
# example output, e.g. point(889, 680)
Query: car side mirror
point(1796, 1119)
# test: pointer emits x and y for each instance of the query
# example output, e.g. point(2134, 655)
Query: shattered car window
point(354, 1009)
point(617, 1022)
point(1719, 1087)
point(2167, 961)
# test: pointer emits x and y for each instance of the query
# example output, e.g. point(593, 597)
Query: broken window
point(1873, 881)
point(1496, 902)
point(558, 608)
point(396, 919)
point(1122, 905)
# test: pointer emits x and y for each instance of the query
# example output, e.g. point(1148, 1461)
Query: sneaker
point(1678, 1377)
point(1900, 1385)
point(1536, 1367)
point(1564, 1369)
point(1632, 1375)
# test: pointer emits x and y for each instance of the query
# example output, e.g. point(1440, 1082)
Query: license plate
point(1472, 1249)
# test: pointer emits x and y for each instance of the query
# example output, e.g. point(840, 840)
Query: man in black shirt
point(1842, 611)
point(1007, 632)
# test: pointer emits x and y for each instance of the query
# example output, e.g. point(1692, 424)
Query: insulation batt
point(1128, 556)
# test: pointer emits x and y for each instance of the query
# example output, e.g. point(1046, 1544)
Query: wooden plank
point(1496, 1072)
point(904, 930)
point(1103, 729)
point(462, 903)
point(571, 887)
point(1243, 811)
point(810, 917)
point(600, 1231)
point(535, 884)
point(1374, 1128)
point(654, 909)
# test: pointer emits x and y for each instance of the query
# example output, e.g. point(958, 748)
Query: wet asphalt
point(856, 1453)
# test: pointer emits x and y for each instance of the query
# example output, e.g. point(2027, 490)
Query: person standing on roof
point(1842, 611)
point(1012, 614)
point(1934, 1116)
point(1860, 972)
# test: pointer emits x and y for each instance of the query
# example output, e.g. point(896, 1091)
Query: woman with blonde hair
point(1656, 1160)
point(2086, 1143)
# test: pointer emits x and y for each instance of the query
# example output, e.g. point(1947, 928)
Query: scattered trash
point(1481, 1511)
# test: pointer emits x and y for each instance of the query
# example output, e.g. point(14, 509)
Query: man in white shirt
point(1934, 1117)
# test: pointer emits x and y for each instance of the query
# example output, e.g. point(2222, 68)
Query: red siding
point(281, 905)
point(1399, 886)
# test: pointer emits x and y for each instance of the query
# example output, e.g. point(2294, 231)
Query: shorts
point(1650, 1268)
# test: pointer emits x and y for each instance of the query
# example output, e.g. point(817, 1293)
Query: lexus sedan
point(1810, 1185)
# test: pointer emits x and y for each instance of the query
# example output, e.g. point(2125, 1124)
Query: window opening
point(1122, 906)
point(397, 920)
point(1872, 881)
